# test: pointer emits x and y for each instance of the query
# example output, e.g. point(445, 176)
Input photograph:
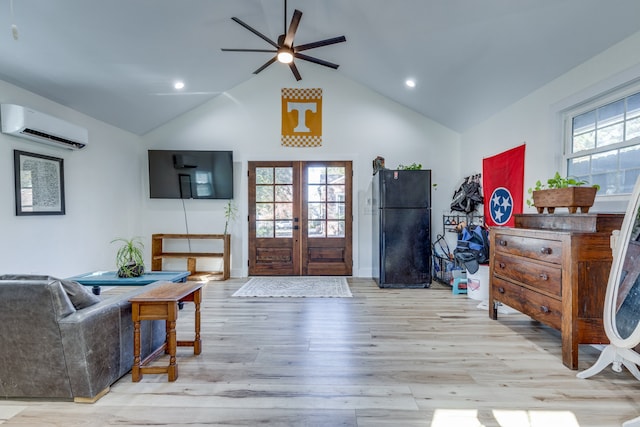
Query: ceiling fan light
point(285, 56)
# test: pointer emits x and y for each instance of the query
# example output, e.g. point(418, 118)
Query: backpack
point(472, 248)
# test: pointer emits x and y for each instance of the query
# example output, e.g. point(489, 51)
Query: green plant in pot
point(559, 191)
point(230, 213)
point(130, 258)
point(411, 167)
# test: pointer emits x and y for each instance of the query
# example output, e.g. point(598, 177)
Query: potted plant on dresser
point(561, 192)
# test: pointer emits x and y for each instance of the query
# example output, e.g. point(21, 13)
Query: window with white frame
point(603, 142)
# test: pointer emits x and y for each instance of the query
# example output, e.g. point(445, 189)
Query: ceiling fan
point(285, 51)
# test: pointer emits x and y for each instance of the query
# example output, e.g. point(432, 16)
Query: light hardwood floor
point(396, 357)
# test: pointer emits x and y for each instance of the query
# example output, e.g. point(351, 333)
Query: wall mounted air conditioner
point(27, 123)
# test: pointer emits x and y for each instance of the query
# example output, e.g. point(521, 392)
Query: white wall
point(103, 186)
point(106, 183)
point(358, 125)
point(537, 118)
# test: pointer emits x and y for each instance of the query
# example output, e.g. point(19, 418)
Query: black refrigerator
point(402, 228)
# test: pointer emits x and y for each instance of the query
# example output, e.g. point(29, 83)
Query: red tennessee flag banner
point(503, 186)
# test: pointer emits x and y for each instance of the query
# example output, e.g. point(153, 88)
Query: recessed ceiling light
point(178, 85)
point(410, 83)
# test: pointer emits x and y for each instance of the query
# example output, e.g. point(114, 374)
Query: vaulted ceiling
point(116, 60)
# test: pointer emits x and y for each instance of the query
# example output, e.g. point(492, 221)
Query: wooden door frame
point(323, 252)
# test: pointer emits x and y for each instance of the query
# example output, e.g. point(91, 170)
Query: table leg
point(136, 375)
point(172, 370)
point(96, 289)
point(197, 342)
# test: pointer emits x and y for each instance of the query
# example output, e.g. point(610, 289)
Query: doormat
point(295, 287)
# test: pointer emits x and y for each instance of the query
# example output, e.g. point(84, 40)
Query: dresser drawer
point(542, 308)
point(541, 249)
point(507, 293)
point(544, 277)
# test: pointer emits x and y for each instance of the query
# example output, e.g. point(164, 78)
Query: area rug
point(295, 287)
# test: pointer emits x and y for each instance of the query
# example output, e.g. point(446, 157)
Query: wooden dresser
point(555, 268)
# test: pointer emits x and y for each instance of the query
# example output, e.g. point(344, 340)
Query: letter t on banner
point(503, 186)
point(301, 117)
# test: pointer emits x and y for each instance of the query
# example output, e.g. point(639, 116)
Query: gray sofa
point(57, 343)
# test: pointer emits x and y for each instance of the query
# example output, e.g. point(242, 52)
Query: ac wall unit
point(27, 123)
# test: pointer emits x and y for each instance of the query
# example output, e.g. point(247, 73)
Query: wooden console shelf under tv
point(158, 254)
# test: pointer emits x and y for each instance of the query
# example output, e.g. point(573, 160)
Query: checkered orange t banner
point(301, 117)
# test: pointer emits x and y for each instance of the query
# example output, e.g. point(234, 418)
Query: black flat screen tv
point(190, 174)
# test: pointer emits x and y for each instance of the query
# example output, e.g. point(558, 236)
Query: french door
point(300, 218)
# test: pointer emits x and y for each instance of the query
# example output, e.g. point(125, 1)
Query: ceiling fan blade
point(295, 71)
point(293, 27)
point(316, 60)
point(266, 64)
point(256, 32)
point(247, 50)
point(320, 43)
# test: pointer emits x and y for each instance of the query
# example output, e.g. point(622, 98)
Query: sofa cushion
point(80, 296)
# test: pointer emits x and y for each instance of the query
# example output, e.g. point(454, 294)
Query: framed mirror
point(622, 299)
point(625, 311)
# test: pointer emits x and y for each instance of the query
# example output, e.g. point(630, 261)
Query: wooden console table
point(158, 254)
point(161, 303)
point(554, 268)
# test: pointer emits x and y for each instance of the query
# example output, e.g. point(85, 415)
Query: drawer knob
point(546, 251)
point(501, 290)
point(544, 309)
point(502, 242)
point(502, 265)
point(544, 276)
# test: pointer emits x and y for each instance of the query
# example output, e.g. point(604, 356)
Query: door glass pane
point(284, 193)
point(284, 175)
point(264, 229)
point(317, 193)
point(264, 193)
point(335, 228)
point(284, 211)
point(317, 175)
point(335, 210)
point(284, 229)
point(316, 229)
point(317, 211)
point(264, 175)
point(335, 193)
point(264, 211)
point(335, 175)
